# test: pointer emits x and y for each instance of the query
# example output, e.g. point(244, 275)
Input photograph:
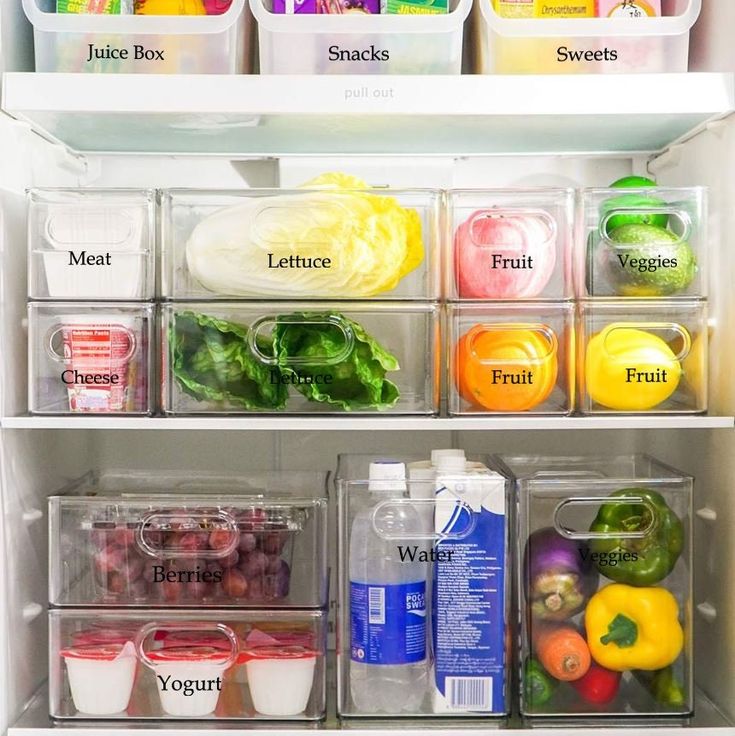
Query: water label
point(388, 623)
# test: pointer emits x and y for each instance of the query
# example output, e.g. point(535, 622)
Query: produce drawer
point(90, 358)
point(641, 356)
point(91, 244)
point(511, 358)
point(163, 665)
point(328, 243)
point(301, 358)
point(605, 586)
point(617, 45)
point(645, 242)
point(205, 546)
point(361, 43)
point(509, 244)
point(147, 44)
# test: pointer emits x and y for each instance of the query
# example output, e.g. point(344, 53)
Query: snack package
point(564, 9)
point(326, 7)
point(95, 7)
point(514, 8)
point(414, 7)
point(629, 8)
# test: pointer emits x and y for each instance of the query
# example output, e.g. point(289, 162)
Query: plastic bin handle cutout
point(530, 357)
point(389, 519)
point(568, 505)
point(674, 335)
point(479, 240)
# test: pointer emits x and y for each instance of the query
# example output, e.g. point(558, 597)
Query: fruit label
point(169, 683)
point(633, 375)
point(517, 378)
point(521, 263)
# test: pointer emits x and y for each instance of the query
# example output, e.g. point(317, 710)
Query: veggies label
point(388, 623)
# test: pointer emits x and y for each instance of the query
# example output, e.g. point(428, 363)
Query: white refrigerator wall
point(35, 463)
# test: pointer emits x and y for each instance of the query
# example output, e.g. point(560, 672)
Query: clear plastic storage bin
point(423, 595)
point(90, 358)
point(617, 45)
point(151, 44)
point(246, 542)
point(647, 242)
point(301, 358)
point(208, 665)
point(301, 244)
point(511, 357)
point(637, 356)
point(605, 586)
point(359, 43)
point(509, 244)
point(91, 244)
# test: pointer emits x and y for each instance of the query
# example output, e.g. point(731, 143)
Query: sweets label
point(369, 54)
point(563, 53)
point(189, 687)
point(89, 259)
point(139, 53)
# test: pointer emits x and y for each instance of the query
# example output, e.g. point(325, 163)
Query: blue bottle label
point(388, 623)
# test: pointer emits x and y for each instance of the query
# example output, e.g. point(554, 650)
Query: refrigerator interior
point(39, 456)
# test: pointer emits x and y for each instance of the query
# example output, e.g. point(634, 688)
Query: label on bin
point(388, 623)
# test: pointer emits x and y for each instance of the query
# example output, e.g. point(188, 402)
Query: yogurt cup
point(280, 678)
point(101, 677)
point(189, 677)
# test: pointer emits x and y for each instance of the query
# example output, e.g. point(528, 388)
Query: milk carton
point(469, 589)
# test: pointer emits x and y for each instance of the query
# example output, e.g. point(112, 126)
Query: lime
point(633, 182)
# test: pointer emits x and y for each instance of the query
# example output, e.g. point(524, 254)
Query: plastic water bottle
point(388, 667)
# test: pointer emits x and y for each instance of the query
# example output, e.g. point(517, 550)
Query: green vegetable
point(663, 686)
point(213, 362)
point(538, 685)
point(633, 182)
point(308, 345)
point(621, 630)
point(644, 560)
point(633, 202)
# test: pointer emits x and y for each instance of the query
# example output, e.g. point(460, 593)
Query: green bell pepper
point(538, 686)
point(636, 561)
point(663, 686)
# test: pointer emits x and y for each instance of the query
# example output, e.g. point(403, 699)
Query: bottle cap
point(387, 476)
point(437, 455)
point(451, 464)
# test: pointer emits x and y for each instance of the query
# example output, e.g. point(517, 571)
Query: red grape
point(231, 560)
point(234, 584)
point(274, 542)
point(222, 539)
point(254, 564)
point(247, 543)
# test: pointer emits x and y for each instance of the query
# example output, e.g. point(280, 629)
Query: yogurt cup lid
point(191, 653)
point(100, 636)
point(195, 639)
point(99, 652)
point(278, 652)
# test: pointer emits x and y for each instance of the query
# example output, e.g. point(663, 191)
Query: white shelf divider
point(254, 115)
point(369, 423)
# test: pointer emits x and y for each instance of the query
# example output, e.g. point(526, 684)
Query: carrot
point(562, 651)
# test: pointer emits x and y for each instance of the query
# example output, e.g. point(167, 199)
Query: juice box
point(629, 8)
point(514, 8)
point(564, 9)
point(326, 7)
point(92, 7)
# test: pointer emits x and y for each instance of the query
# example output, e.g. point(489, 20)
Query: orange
point(506, 367)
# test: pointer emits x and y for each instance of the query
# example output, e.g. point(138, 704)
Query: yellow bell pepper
point(632, 628)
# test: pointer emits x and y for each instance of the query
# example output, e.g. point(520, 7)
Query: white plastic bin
point(191, 44)
point(386, 44)
point(585, 45)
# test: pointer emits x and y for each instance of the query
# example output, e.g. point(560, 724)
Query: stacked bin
point(423, 598)
point(604, 576)
point(303, 301)
point(642, 314)
point(91, 283)
point(508, 284)
point(189, 597)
